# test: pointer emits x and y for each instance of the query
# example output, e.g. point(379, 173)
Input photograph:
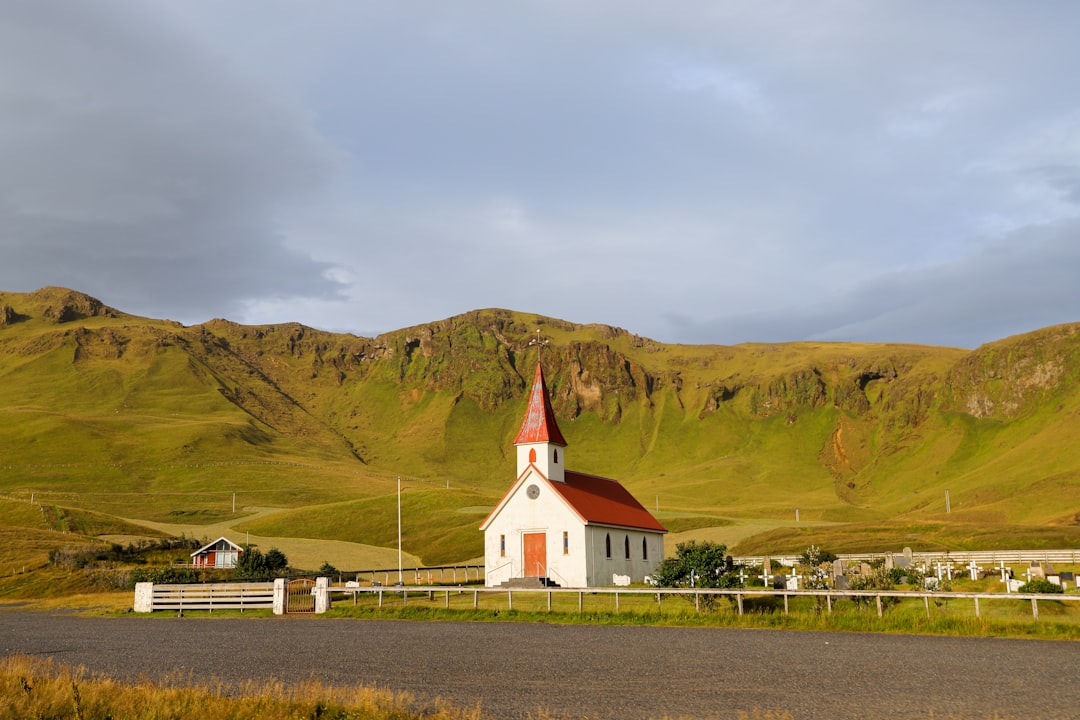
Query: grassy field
point(120, 427)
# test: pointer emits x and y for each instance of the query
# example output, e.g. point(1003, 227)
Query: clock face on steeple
point(533, 492)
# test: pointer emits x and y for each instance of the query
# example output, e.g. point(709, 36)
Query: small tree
point(276, 562)
point(698, 565)
point(326, 569)
point(816, 573)
point(251, 563)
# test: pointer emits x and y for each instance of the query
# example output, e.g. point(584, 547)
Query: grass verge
point(36, 688)
point(1004, 618)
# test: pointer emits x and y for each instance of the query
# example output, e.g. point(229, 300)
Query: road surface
point(577, 671)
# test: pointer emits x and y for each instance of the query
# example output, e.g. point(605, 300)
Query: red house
point(222, 553)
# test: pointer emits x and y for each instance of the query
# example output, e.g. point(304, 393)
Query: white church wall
point(546, 513)
point(603, 568)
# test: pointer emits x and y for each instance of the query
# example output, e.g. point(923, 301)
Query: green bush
point(1039, 585)
point(698, 565)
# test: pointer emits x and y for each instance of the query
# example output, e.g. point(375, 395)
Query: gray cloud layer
point(136, 168)
point(729, 172)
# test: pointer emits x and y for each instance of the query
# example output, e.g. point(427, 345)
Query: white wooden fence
point(992, 557)
point(204, 596)
point(830, 597)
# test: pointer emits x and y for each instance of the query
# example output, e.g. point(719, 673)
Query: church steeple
point(540, 442)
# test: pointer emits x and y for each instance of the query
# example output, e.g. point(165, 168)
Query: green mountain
point(146, 420)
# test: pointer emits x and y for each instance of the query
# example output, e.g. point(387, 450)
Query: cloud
point(730, 172)
point(1013, 284)
point(138, 168)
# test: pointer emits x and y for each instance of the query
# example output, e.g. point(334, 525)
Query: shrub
point(701, 565)
point(1039, 585)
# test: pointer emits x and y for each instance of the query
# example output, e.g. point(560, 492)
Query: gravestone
point(889, 561)
point(841, 582)
point(908, 555)
point(837, 568)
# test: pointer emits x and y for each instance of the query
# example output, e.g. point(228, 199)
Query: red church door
point(535, 554)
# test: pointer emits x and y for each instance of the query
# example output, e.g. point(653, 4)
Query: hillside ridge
point(844, 431)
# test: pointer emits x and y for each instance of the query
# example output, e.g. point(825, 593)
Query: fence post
point(785, 604)
point(144, 597)
point(322, 594)
point(509, 599)
point(828, 600)
point(879, 614)
point(697, 602)
point(475, 599)
point(616, 601)
point(549, 601)
point(580, 601)
point(738, 597)
point(976, 607)
point(926, 602)
point(1035, 608)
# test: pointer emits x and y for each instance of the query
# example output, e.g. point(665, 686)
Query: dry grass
point(37, 688)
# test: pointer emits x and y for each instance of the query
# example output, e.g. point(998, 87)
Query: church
point(556, 527)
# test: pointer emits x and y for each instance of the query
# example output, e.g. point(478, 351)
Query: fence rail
point(830, 597)
point(1064, 557)
point(204, 596)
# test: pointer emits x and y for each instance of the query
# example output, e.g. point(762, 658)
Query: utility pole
point(948, 505)
point(399, 572)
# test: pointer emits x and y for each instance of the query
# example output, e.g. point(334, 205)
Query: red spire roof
point(539, 424)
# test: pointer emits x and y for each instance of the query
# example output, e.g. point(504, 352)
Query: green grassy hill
point(145, 420)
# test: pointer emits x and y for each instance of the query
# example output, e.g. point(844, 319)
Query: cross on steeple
point(538, 342)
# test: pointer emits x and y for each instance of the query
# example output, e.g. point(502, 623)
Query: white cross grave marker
point(766, 578)
point(974, 570)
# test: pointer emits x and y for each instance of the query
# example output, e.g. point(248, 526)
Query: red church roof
point(604, 502)
point(539, 424)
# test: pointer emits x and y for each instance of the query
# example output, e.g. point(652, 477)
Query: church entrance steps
point(530, 583)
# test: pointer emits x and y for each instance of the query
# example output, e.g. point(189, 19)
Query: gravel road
point(580, 671)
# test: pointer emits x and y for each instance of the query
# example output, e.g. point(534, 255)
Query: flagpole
point(399, 573)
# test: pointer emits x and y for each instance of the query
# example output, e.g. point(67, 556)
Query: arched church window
point(556, 456)
point(532, 455)
point(607, 544)
point(626, 544)
point(644, 548)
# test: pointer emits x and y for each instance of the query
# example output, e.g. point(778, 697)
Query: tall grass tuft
point(42, 689)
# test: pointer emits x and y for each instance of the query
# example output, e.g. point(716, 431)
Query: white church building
point(559, 527)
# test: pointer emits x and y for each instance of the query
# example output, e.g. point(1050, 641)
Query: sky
point(706, 171)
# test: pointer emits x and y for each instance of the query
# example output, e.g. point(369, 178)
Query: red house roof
point(539, 424)
point(601, 501)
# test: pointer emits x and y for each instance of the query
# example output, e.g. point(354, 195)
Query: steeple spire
point(539, 425)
